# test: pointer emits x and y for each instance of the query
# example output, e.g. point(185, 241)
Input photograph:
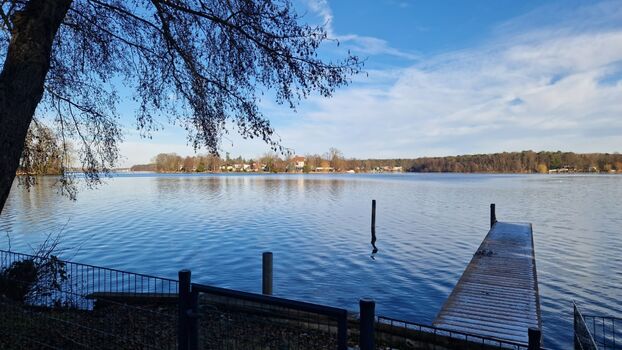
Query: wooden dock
point(497, 295)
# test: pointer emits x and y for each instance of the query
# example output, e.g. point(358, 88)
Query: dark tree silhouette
point(200, 63)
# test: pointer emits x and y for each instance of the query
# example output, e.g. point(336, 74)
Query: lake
point(318, 227)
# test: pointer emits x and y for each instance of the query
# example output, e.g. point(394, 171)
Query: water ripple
point(428, 227)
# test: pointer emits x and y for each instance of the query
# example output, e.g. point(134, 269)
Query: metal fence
point(218, 318)
point(229, 319)
point(606, 330)
point(583, 338)
point(399, 334)
point(46, 302)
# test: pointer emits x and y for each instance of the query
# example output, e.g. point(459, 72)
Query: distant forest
point(334, 161)
point(521, 162)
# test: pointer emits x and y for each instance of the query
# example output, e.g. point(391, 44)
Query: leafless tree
point(203, 64)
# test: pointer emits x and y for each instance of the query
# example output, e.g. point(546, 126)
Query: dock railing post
point(493, 215)
point(183, 306)
point(535, 338)
point(266, 262)
point(368, 315)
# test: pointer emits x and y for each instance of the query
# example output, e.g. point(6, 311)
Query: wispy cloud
point(542, 88)
point(364, 45)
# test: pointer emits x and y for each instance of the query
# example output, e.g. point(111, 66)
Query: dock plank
point(497, 295)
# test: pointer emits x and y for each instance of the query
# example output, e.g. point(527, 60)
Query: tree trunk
point(22, 80)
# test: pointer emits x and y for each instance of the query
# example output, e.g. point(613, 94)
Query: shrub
point(18, 279)
point(33, 279)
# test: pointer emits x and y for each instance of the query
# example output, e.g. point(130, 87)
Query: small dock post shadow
point(266, 263)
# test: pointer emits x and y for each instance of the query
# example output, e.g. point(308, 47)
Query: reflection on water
point(428, 227)
point(374, 248)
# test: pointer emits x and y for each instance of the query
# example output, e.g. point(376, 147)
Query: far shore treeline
point(334, 161)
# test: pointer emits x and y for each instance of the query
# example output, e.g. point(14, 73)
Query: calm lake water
point(318, 226)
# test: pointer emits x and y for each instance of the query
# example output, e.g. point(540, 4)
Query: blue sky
point(450, 77)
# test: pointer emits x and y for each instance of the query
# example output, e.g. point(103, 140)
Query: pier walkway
point(497, 295)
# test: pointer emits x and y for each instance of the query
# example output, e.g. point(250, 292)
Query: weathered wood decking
point(497, 295)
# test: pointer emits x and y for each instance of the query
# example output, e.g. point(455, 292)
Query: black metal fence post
point(535, 338)
point(266, 262)
point(368, 315)
point(493, 215)
point(193, 320)
point(342, 331)
point(183, 306)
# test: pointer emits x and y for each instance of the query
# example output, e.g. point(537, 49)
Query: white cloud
point(322, 8)
point(541, 89)
point(364, 45)
point(142, 151)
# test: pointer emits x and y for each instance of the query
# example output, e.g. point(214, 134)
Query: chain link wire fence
point(229, 319)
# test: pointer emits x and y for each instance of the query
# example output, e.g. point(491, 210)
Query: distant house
point(255, 167)
point(299, 163)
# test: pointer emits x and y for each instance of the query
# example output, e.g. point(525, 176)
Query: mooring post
point(535, 338)
point(493, 215)
point(266, 286)
point(373, 218)
point(183, 306)
point(368, 314)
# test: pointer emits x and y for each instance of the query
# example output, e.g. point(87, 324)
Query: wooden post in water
point(493, 215)
point(373, 227)
point(266, 286)
point(373, 219)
